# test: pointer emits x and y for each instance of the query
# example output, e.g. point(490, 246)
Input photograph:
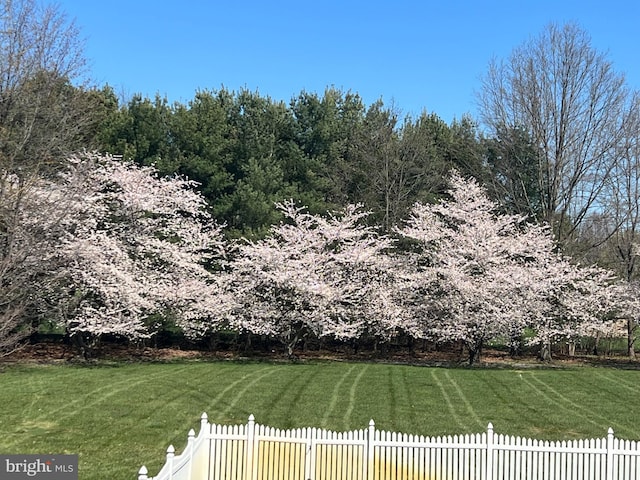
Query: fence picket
point(258, 452)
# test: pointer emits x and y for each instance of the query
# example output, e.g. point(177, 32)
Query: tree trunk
point(84, 343)
point(474, 352)
point(247, 343)
point(631, 331)
point(545, 351)
point(515, 346)
point(291, 345)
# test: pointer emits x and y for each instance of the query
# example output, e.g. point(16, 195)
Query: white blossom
point(132, 245)
point(313, 275)
point(484, 275)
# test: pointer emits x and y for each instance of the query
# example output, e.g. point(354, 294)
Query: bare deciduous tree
point(568, 97)
point(42, 114)
point(620, 217)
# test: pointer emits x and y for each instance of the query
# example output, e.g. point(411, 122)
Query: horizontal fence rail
point(258, 452)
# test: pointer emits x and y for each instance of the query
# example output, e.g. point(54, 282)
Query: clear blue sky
point(420, 55)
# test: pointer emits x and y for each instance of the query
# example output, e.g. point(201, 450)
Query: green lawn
point(118, 417)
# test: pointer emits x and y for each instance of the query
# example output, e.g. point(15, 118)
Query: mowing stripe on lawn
point(293, 404)
point(619, 382)
point(213, 404)
point(123, 385)
point(204, 385)
point(295, 383)
point(352, 398)
point(587, 413)
point(72, 407)
point(393, 401)
point(409, 391)
point(509, 396)
point(108, 387)
point(61, 413)
point(335, 396)
point(35, 398)
point(33, 383)
point(464, 399)
point(16, 375)
point(231, 405)
point(450, 406)
point(558, 403)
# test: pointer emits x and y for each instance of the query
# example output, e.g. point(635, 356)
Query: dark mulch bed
point(58, 352)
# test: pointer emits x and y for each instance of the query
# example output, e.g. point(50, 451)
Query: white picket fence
point(258, 452)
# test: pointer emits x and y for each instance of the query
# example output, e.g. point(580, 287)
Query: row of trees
point(456, 271)
point(558, 141)
point(560, 149)
point(107, 247)
point(249, 152)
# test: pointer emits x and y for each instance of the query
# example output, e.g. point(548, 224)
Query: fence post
point(170, 454)
point(610, 454)
point(369, 463)
point(204, 421)
point(489, 467)
point(251, 435)
point(190, 446)
point(142, 473)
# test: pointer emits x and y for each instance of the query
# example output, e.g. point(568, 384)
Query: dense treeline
point(248, 152)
